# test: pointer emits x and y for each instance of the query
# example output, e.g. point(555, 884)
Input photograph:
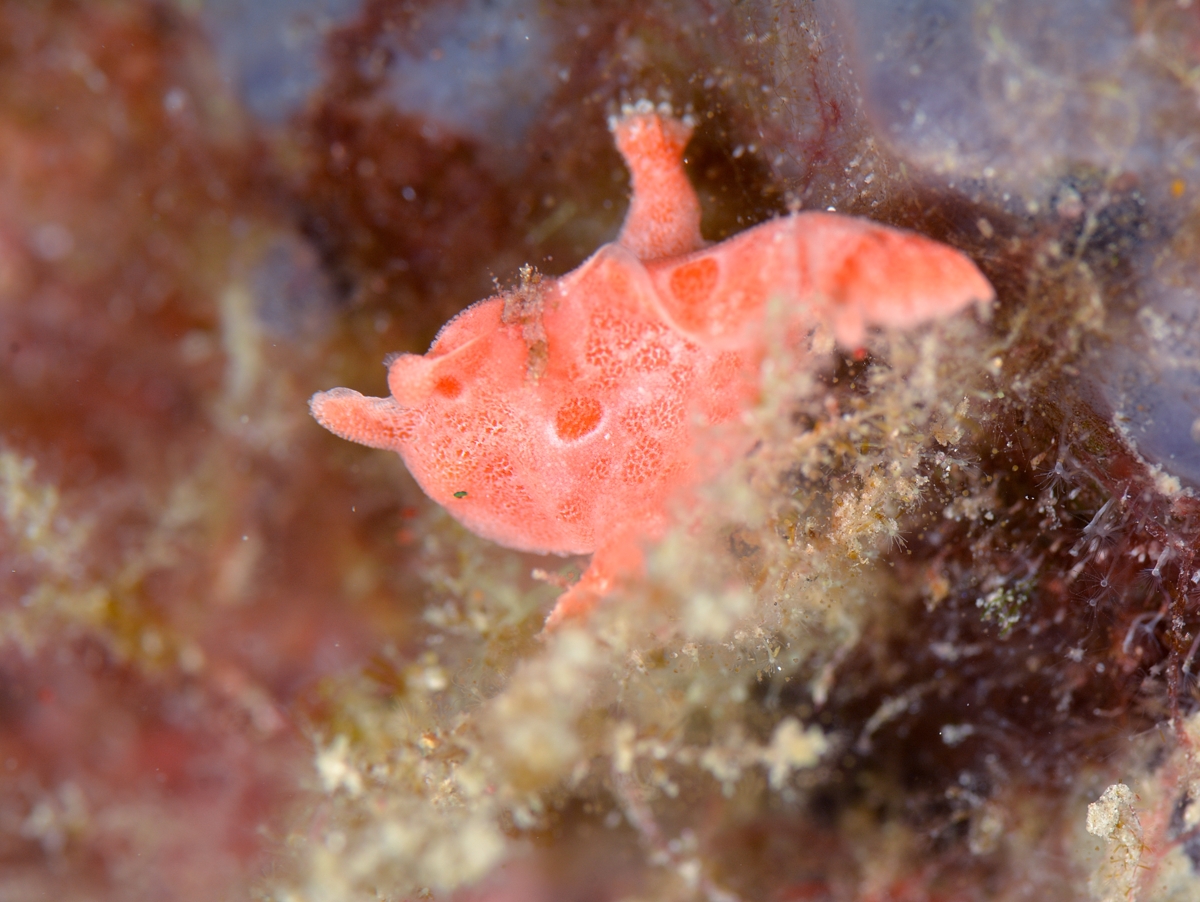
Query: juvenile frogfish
point(561, 416)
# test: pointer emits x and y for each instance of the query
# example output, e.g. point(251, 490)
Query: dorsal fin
point(664, 212)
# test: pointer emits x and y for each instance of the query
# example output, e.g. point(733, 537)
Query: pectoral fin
point(375, 422)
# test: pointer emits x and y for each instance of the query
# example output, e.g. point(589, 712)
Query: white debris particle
point(336, 771)
point(436, 679)
point(954, 733)
point(1113, 817)
point(792, 748)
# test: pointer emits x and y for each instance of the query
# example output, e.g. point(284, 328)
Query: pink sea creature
point(562, 415)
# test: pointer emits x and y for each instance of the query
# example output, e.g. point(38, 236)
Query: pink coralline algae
point(562, 416)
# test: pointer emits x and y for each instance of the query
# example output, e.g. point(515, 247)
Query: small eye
point(448, 387)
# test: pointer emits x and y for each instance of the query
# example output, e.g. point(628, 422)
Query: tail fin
point(873, 275)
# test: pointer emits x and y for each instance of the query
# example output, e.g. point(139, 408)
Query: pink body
point(560, 417)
